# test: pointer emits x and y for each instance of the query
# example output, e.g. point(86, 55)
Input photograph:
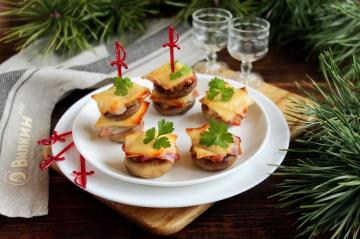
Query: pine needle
point(323, 187)
point(68, 27)
point(321, 25)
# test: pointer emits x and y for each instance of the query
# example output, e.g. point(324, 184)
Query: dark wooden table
point(74, 213)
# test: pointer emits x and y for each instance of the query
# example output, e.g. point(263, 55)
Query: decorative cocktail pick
point(55, 137)
point(171, 44)
point(119, 62)
point(81, 176)
point(46, 163)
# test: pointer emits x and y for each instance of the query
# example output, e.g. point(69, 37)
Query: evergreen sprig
point(61, 24)
point(323, 187)
point(319, 24)
point(118, 16)
point(236, 7)
point(337, 26)
point(71, 26)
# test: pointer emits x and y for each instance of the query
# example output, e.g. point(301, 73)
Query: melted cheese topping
point(107, 101)
point(203, 151)
point(134, 120)
point(178, 102)
point(134, 146)
point(161, 76)
point(237, 105)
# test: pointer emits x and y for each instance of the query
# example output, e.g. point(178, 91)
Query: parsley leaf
point(165, 127)
point(217, 127)
point(122, 85)
point(207, 138)
point(216, 135)
point(162, 142)
point(180, 73)
point(218, 86)
point(149, 135)
point(227, 93)
point(212, 94)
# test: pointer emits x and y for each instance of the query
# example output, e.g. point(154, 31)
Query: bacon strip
point(142, 158)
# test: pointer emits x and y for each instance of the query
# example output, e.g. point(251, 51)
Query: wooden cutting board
point(166, 221)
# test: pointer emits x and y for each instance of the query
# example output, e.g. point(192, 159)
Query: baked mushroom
point(225, 103)
point(152, 153)
point(213, 147)
point(174, 93)
point(122, 108)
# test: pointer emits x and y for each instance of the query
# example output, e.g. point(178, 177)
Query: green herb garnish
point(216, 135)
point(217, 86)
point(180, 73)
point(122, 85)
point(165, 127)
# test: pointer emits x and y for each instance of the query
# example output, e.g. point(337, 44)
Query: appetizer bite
point(213, 147)
point(225, 103)
point(174, 92)
point(122, 109)
point(152, 153)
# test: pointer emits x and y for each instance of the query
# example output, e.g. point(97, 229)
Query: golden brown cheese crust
point(230, 112)
point(134, 147)
point(212, 153)
point(132, 121)
point(161, 77)
point(210, 114)
point(178, 91)
point(110, 103)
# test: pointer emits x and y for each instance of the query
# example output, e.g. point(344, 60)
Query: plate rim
point(209, 178)
point(188, 202)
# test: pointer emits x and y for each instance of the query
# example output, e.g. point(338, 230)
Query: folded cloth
point(28, 97)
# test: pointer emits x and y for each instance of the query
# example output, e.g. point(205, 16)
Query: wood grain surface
point(75, 214)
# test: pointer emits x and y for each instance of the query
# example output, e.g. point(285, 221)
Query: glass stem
point(211, 58)
point(246, 67)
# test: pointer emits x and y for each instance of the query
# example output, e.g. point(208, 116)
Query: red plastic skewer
point(119, 62)
point(171, 44)
point(81, 176)
point(55, 137)
point(46, 163)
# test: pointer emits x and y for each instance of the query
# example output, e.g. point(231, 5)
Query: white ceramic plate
point(257, 170)
point(108, 156)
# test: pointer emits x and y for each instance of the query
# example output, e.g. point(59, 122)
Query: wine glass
point(248, 42)
point(209, 32)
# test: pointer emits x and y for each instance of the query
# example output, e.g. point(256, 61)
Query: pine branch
point(61, 24)
point(239, 8)
point(323, 187)
point(337, 26)
point(289, 19)
point(188, 7)
point(70, 26)
point(118, 16)
point(320, 24)
point(236, 7)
